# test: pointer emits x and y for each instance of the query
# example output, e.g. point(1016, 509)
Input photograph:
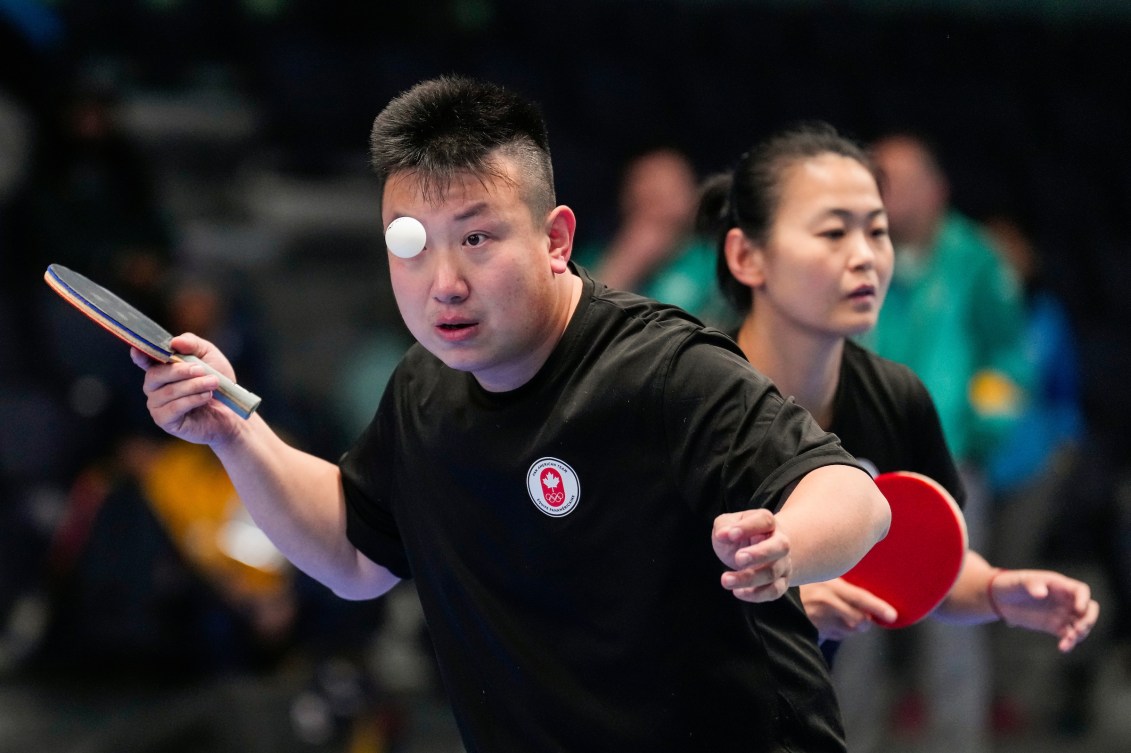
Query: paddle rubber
point(131, 326)
point(914, 567)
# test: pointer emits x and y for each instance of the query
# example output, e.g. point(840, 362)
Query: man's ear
point(744, 258)
point(561, 224)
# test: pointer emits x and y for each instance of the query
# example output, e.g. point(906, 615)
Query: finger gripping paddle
point(914, 567)
point(133, 327)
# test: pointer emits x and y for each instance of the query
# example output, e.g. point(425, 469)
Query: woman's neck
point(802, 365)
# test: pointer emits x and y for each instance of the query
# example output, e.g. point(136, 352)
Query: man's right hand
point(179, 394)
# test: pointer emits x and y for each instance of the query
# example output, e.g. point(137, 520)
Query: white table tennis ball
point(405, 237)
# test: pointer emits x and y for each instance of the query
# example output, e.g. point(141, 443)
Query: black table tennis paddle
point(133, 327)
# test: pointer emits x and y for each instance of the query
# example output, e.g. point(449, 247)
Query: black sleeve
point(736, 442)
point(366, 481)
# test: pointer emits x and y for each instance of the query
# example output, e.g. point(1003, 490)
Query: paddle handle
point(230, 394)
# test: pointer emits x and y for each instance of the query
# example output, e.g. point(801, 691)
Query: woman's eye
point(836, 234)
point(879, 232)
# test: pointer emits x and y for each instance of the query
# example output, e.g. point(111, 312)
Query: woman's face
point(826, 265)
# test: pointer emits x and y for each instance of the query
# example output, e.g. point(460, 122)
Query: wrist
point(990, 593)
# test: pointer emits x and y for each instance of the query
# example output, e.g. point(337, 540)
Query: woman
point(805, 258)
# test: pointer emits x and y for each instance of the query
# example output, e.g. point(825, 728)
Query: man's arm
point(294, 497)
point(834, 516)
point(297, 499)
point(828, 522)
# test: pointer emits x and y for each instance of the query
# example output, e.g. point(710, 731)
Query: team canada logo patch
point(553, 486)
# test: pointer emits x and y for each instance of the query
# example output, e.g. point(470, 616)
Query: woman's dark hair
point(748, 196)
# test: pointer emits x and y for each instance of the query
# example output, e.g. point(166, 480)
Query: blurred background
point(207, 160)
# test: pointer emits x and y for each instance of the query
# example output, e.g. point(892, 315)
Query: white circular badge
point(553, 487)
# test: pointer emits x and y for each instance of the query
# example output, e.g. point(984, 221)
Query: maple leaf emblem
point(551, 481)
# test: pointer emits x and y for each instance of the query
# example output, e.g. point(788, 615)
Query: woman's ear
point(560, 227)
point(744, 258)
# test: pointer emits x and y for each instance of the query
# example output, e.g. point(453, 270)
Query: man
point(573, 476)
point(950, 281)
point(654, 249)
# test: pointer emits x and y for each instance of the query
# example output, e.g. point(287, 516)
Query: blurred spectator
point(654, 250)
point(147, 616)
point(172, 623)
point(954, 314)
point(1050, 425)
point(150, 573)
point(949, 282)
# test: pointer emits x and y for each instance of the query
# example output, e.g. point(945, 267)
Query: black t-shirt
point(884, 416)
point(559, 536)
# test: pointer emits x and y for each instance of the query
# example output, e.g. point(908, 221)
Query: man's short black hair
point(451, 125)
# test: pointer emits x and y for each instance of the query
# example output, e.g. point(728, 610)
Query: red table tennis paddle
point(914, 567)
point(137, 329)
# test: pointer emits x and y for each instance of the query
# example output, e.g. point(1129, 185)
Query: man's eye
point(475, 239)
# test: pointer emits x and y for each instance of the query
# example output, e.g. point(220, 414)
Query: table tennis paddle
point(135, 328)
point(914, 567)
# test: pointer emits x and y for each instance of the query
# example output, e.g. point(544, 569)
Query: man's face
point(916, 194)
point(484, 295)
point(662, 188)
